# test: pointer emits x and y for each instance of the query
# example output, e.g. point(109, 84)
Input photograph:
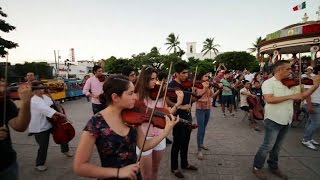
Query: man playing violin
point(181, 132)
point(17, 120)
point(93, 88)
point(278, 117)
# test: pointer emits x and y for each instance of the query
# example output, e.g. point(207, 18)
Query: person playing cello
point(40, 127)
point(115, 140)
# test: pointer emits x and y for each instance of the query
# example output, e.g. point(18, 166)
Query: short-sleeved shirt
point(282, 112)
point(7, 153)
point(186, 100)
point(226, 91)
point(115, 151)
point(243, 97)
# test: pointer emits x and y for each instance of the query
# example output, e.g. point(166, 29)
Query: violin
point(171, 92)
point(140, 113)
point(198, 84)
point(290, 82)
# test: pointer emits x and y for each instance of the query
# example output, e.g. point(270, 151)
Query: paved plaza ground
point(232, 146)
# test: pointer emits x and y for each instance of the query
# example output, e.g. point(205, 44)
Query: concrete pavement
point(232, 146)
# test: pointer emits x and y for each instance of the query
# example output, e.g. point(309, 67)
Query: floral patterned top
point(114, 150)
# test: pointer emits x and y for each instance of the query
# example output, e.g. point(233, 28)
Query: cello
point(254, 102)
point(62, 129)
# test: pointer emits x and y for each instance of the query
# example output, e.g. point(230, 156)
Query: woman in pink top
point(203, 109)
point(150, 160)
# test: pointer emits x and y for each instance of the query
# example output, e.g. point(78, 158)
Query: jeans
point(313, 122)
point(97, 108)
point(42, 139)
point(273, 139)
point(11, 173)
point(181, 137)
point(203, 116)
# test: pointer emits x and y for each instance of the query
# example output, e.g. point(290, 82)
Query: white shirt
point(282, 112)
point(315, 96)
point(40, 110)
point(243, 97)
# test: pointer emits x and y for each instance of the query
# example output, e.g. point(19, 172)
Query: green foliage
point(114, 65)
point(17, 72)
point(238, 60)
point(5, 27)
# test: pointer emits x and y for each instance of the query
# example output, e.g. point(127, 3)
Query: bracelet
point(118, 173)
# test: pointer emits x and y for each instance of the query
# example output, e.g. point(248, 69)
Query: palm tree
point(209, 46)
point(255, 47)
point(173, 43)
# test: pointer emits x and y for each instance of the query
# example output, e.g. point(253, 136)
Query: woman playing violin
point(114, 139)
point(203, 106)
point(150, 159)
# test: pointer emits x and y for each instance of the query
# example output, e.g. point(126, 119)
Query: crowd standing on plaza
point(119, 142)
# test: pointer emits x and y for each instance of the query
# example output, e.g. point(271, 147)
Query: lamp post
point(67, 63)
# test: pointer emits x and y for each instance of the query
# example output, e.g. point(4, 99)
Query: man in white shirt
point(278, 117)
point(312, 104)
point(309, 72)
point(40, 127)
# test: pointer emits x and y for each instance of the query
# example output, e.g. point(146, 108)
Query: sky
point(98, 29)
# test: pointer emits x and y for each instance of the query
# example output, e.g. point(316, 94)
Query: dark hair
point(95, 68)
point(227, 72)
point(36, 83)
point(279, 64)
point(200, 75)
point(162, 75)
point(244, 82)
point(180, 66)
point(142, 85)
point(114, 84)
point(316, 69)
point(127, 70)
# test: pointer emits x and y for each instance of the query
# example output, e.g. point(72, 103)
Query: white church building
point(192, 52)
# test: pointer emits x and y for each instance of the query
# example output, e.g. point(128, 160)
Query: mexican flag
point(300, 6)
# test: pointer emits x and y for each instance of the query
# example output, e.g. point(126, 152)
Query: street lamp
point(67, 63)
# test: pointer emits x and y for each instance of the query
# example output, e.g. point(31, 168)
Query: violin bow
point(166, 89)
point(5, 91)
point(194, 81)
point(149, 122)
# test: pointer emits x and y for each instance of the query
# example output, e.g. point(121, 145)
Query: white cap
point(309, 67)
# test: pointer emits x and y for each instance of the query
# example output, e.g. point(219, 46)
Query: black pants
point(181, 137)
point(42, 139)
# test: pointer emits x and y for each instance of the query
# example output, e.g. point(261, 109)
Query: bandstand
point(294, 39)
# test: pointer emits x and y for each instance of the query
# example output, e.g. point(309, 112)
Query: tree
point(5, 27)
point(238, 60)
point(255, 47)
point(173, 43)
point(209, 46)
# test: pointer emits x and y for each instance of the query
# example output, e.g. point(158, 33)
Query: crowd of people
point(134, 151)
